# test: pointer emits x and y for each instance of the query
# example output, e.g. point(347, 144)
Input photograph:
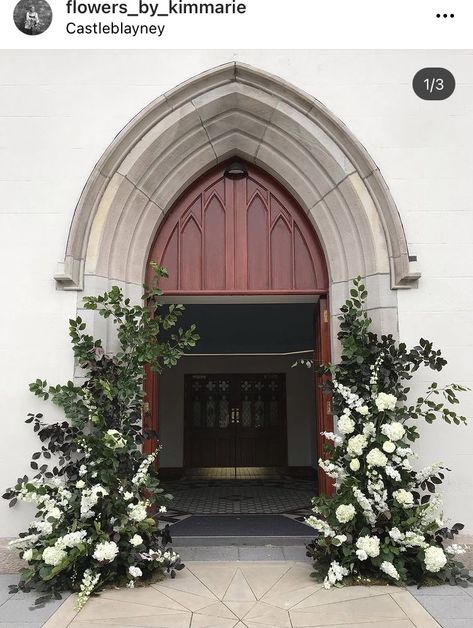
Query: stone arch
point(237, 110)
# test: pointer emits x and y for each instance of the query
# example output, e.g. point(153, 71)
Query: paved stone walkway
point(247, 595)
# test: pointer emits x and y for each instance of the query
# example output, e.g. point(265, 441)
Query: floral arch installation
point(239, 236)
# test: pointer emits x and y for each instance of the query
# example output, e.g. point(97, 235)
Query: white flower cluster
point(389, 569)
point(135, 572)
point(394, 431)
point(455, 549)
point(378, 492)
point(374, 368)
point(335, 573)
point(434, 559)
point(23, 542)
point(71, 540)
point(106, 551)
point(137, 512)
point(345, 513)
point(140, 475)
point(428, 472)
point(136, 540)
point(369, 430)
point(345, 424)
point(53, 555)
point(412, 538)
point(403, 497)
point(376, 458)
point(368, 546)
point(356, 444)
point(320, 526)
point(365, 505)
point(385, 401)
point(89, 499)
point(331, 469)
point(392, 473)
point(161, 557)
point(89, 581)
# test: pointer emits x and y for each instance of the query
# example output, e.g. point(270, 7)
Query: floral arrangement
point(385, 519)
point(97, 496)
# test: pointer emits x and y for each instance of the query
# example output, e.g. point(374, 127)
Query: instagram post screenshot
point(236, 314)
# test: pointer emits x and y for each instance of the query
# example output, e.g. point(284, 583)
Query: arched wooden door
point(243, 236)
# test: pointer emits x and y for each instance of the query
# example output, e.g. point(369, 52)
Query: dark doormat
point(239, 525)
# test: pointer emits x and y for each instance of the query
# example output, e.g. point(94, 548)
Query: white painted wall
point(60, 110)
point(299, 394)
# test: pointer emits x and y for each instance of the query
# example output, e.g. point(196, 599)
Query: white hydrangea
point(28, 555)
point(354, 464)
point(389, 569)
point(345, 513)
point(89, 499)
point(320, 526)
point(363, 410)
point(136, 540)
point(434, 559)
point(403, 497)
point(335, 573)
point(135, 572)
point(53, 556)
point(345, 424)
point(376, 458)
point(137, 512)
point(385, 401)
point(367, 546)
point(53, 512)
point(44, 527)
point(356, 444)
point(80, 484)
point(105, 551)
point(394, 431)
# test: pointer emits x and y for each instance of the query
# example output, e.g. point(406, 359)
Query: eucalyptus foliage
point(97, 495)
point(385, 517)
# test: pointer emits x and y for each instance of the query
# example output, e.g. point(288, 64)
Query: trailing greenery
point(97, 495)
point(385, 518)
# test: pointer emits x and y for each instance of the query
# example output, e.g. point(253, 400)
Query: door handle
point(233, 415)
point(237, 415)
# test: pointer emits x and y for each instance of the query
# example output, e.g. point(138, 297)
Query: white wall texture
point(60, 110)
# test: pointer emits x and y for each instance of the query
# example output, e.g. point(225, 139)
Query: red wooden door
point(239, 236)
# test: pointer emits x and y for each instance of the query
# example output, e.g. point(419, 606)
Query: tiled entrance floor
point(220, 497)
point(247, 594)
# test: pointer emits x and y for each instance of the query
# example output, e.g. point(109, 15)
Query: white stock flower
point(389, 569)
point(28, 554)
point(335, 573)
point(135, 572)
point(367, 546)
point(105, 551)
point(385, 401)
point(435, 559)
point(320, 526)
point(403, 497)
point(53, 556)
point(427, 472)
point(71, 540)
point(392, 473)
point(389, 447)
point(355, 464)
point(331, 469)
point(336, 438)
point(414, 539)
point(136, 540)
point(369, 429)
point(346, 425)
point(394, 431)
point(345, 513)
point(365, 505)
point(451, 550)
point(396, 535)
point(376, 458)
point(356, 444)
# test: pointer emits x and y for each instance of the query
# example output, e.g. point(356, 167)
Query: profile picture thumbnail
point(32, 17)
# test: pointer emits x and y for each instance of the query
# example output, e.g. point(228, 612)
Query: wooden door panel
point(247, 235)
